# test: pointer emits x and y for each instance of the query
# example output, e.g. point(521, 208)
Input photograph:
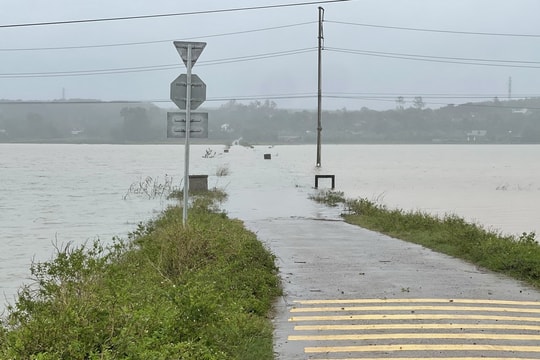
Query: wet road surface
point(350, 293)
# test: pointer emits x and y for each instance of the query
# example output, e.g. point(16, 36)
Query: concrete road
point(350, 293)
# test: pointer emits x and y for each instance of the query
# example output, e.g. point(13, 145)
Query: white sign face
point(176, 125)
point(179, 91)
point(196, 50)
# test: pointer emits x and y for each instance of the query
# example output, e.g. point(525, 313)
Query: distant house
point(476, 135)
point(226, 128)
point(289, 138)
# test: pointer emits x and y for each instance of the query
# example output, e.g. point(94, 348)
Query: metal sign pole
point(186, 148)
point(181, 95)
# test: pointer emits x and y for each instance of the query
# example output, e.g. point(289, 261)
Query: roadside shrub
point(328, 197)
point(518, 257)
point(169, 292)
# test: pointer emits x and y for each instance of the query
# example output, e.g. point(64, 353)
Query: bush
point(452, 235)
point(169, 292)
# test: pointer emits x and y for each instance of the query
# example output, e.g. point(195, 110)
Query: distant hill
point(95, 121)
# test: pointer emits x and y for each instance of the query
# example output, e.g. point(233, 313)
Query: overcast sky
point(363, 66)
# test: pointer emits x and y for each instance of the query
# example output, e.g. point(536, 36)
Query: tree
point(136, 125)
point(418, 103)
point(400, 103)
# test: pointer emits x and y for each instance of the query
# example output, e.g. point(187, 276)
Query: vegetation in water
point(152, 188)
point(203, 291)
point(518, 257)
point(328, 197)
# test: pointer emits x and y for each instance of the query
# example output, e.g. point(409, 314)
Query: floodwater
point(51, 195)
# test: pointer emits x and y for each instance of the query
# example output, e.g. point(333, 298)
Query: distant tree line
point(511, 121)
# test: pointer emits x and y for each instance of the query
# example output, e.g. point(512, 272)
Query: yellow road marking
point(420, 347)
point(412, 317)
point(438, 358)
point(385, 301)
point(415, 308)
point(416, 326)
point(484, 314)
point(414, 336)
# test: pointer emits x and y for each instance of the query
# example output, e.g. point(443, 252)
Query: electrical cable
point(404, 56)
point(154, 67)
point(155, 41)
point(439, 59)
point(139, 17)
point(434, 30)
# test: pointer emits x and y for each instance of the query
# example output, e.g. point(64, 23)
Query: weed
point(222, 171)
point(452, 235)
point(328, 197)
point(151, 188)
point(202, 291)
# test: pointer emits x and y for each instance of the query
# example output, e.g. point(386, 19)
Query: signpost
point(188, 92)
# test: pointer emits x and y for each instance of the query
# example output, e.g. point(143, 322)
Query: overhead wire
point(434, 30)
point(153, 67)
point(389, 97)
point(440, 59)
point(404, 56)
point(156, 41)
point(187, 13)
point(371, 97)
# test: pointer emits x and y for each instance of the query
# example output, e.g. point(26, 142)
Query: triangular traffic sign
point(196, 50)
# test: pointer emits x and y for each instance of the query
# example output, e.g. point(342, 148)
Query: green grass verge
point(518, 257)
point(167, 292)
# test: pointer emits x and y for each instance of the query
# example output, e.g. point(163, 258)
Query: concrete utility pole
point(510, 88)
point(319, 93)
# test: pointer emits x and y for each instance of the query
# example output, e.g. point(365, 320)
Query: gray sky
point(350, 78)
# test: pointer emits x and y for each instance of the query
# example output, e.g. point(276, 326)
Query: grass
point(203, 291)
point(328, 197)
point(518, 257)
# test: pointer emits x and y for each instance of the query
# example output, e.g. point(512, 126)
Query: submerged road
point(350, 293)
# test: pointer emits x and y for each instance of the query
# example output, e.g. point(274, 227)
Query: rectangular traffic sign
point(176, 125)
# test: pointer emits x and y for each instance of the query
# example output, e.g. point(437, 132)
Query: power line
point(440, 59)
point(467, 104)
point(423, 95)
point(404, 56)
point(255, 57)
point(139, 17)
point(154, 67)
point(386, 97)
point(155, 41)
point(434, 30)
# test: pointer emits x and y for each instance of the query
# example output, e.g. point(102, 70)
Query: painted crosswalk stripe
point(414, 308)
point(422, 326)
point(416, 301)
point(457, 329)
point(411, 317)
point(435, 358)
point(464, 336)
point(422, 347)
